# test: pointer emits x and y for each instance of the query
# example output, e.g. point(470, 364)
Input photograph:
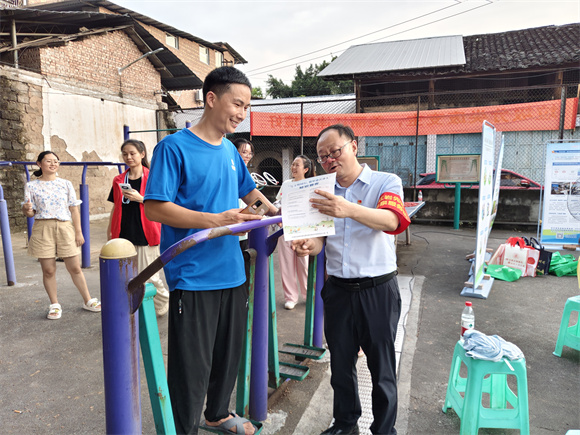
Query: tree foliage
point(307, 83)
point(257, 92)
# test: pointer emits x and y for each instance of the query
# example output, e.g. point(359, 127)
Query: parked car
point(509, 180)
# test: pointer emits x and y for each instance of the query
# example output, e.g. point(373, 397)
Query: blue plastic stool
point(469, 407)
point(569, 335)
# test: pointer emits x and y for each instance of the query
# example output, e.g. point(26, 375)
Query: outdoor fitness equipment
point(121, 346)
point(278, 371)
point(261, 180)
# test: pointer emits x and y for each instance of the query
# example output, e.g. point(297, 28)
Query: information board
point(560, 223)
point(458, 168)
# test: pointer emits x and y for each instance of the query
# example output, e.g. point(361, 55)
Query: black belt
point(358, 284)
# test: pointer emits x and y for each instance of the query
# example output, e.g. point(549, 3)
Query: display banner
point(485, 201)
point(541, 115)
point(561, 211)
point(496, 184)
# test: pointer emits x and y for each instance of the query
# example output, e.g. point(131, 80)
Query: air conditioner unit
point(199, 95)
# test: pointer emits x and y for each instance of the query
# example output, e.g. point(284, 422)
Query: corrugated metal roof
point(399, 55)
point(175, 75)
point(514, 50)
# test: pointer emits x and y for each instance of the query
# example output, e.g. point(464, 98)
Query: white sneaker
point(289, 305)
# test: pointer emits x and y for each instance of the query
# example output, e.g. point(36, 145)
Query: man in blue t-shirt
point(196, 178)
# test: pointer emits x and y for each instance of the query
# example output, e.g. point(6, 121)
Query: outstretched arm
point(171, 214)
point(337, 206)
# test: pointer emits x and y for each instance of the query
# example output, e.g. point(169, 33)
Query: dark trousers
point(365, 318)
point(204, 349)
point(244, 245)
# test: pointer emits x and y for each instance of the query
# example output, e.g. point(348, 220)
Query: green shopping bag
point(505, 273)
point(563, 265)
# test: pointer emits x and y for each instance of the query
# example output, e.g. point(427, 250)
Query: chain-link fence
point(406, 132)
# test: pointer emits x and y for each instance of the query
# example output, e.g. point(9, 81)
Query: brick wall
point(20, 139)
point(92, 63)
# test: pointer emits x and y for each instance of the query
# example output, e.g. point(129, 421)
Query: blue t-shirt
point(203, 177)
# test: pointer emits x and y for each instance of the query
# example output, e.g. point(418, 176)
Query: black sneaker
point(333, 430)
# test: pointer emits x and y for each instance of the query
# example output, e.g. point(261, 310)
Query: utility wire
point(384, 37)
point(353, 39)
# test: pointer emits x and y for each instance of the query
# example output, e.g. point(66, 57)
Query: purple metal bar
point(86, 249)
point(259, 370)
point(199, 237)
point(6, 241)
point(120, 330)
point(187, 124)
point(126, 132)
point(318, 304)
point(85, 223)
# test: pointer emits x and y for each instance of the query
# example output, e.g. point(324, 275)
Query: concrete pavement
point(51, 377)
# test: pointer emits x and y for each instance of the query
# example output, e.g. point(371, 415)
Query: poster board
point(373, 162)
point(559, 226)
point(458, 168)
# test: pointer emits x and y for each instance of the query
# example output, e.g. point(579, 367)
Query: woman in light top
point(56, 231)
point(294, 269)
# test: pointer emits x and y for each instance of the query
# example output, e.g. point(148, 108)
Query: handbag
point(516, 254)
point(545, 257)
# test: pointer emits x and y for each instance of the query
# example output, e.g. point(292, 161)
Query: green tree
point(257, 93)
point(307, 83)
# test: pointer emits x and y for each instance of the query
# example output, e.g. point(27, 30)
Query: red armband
point(392, 202)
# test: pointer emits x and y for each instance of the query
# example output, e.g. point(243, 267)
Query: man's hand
point(234, 216)
point(304, 247)
point(332, 205)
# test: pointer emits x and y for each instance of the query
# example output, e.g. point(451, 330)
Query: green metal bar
point(244, 370)
point(309, 316)
point(457, 202)
point(154, 365)
point(273, 358)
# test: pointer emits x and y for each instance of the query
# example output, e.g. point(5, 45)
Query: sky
point(276, 36)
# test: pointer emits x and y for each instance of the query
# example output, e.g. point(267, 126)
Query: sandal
point(226, 427)
point(54, 312)
point(93, 305)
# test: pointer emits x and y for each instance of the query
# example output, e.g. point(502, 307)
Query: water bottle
point(420, 196)
point(467, 319)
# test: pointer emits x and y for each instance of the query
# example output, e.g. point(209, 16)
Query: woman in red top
point(128, 219)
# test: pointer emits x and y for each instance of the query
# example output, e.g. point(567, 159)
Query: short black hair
point(220, 79)
point(341, 129)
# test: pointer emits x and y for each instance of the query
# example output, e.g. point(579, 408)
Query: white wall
point(87, 124)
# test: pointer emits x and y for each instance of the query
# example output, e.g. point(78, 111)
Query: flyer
point(300, 220)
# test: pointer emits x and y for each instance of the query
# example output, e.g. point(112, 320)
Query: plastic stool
point(569, 335)
point(469, 407)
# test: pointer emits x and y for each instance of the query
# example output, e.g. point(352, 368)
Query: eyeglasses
point(247, 153)
point(334, 154)
point(52, 162)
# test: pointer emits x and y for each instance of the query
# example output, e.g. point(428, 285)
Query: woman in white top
point(293, 267)
point(56, 231)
